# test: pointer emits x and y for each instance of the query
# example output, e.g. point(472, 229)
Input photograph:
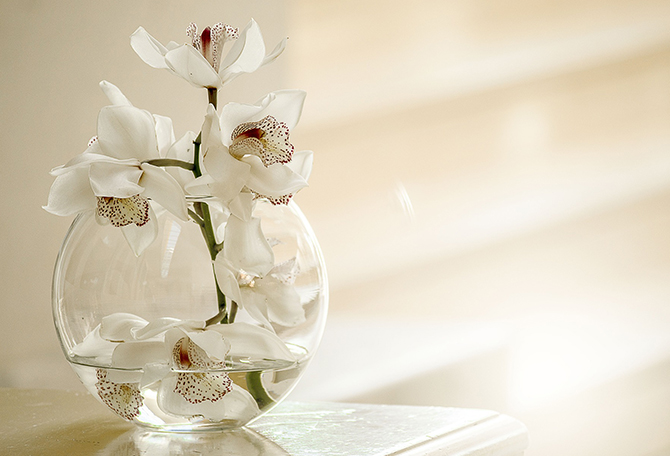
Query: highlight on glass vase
point(190, 292)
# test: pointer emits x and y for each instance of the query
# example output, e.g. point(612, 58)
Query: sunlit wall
point(491, 191)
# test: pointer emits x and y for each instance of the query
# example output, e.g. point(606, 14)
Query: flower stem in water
point(256, 389)
point(204, 219)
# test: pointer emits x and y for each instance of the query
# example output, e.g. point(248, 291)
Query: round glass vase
point(102, 289)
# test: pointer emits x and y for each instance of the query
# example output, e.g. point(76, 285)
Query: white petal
point(114, 180)
point(197, 387)
point(170, 402)
point(171, 337)
point(200, 186)
point(123, 376)
point(139, 238)
point(301, 163)
point(226, 278)
point(127, 132)
point(229, 174)
point(242, 206)
point(188, 62)
point(211, 128)
point(164, 189)
point(154, 372)
point(274, 180)
point(276, 52)
point(283, 302)
point(118, 326)
point(246, 55)
point(234, 114)
point(82, 160)
point(71, 193)
point(219, 217)
point(286, 271)
point(114, 94)
point(253, 342)
point(124, 398)
point(94, 346)
point(239, 405)
point(283, 105)
point(246, 247)
point(164, 324)
point(308, 293)
point(86, 158)
point(135, 354)
point(211, 342)
point(182, 150)
point(256, 305)
point(164, 134)
point(236, 405)
point(148, 48)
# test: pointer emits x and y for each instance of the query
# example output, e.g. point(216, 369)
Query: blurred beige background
point(491, 191)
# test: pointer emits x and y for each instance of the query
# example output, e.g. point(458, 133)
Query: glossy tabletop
point(50, 422)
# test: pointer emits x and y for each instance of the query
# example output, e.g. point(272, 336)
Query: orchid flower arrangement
point(135, 165)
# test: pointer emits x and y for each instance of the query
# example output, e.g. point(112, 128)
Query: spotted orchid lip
point(124, 211)
point(268, 139)
point(124, 399)
point(197, 387)
point(211, 41)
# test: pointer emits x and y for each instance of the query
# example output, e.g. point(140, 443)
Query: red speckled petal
point(123, 398)
point(124, 211)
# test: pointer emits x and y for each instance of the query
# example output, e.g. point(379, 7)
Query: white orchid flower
point(258, 134)
point(202, 62)
point(271, 298)
point(167, 350)
point(247, 150)
point(114, 175)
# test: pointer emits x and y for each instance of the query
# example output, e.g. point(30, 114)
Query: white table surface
point(51, 422)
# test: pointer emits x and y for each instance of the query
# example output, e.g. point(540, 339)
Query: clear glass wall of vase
point(154, 337)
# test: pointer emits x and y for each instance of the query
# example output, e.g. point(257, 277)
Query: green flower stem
point(216, 319)
point(254, 381)
point(196, 218)
point(170, 162)
point(207, 229)
point(233, 311)
point(204, 219)
point(203, 215)
point(256, 389)
point(197, 172)
point(212, 96)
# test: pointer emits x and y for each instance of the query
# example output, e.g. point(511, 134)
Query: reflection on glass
point(236, 442)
